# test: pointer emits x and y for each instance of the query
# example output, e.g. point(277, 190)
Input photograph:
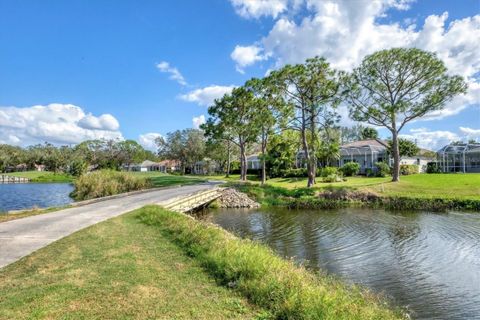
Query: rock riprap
point(232, 198)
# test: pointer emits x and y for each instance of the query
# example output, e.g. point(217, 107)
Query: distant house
point(168, 166)
point(39, 167)
point(254, 162)
point(206, 166)
point(145, 166)
point(368, 152)
point(459, 157)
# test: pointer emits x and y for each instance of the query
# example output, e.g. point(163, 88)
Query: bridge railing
point(194, 201)
point(11, 179)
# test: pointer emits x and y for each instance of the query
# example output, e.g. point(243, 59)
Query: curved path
point(19, 238)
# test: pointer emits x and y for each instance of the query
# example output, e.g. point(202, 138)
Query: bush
point(327, 171)
point(254, 270)
point(383, 169)
point(106, 183)
point(295, 173)
point(350, 169)
point(369, 172)
point(77, 168)
point(407, 169)
point(433, 167)
point(334, 177)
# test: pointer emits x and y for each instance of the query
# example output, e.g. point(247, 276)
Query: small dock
point(11, 179)
point(193, 201)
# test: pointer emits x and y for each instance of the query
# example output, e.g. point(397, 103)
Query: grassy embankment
point(156, 264)
point(421, 191)
point(43, 176)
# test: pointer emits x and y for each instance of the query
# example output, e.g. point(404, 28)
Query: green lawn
point(461, 186)
point(43, 176)
point(118, 269)
point(159, 179)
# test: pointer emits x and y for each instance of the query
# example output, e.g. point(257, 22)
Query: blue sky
point(104, 68)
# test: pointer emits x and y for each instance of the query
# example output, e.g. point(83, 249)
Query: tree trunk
point(243, 163)
point(306, 153)
point(396, 157)
point(264, 173)
point(228, 160)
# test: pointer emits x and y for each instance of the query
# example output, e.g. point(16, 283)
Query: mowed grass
point(159, 179)
point(43, 176)
point(118, 269)
point(447, 186)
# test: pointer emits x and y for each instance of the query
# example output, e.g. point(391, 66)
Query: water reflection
point(427, 262)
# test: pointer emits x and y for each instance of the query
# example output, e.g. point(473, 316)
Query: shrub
point(383, 169)
point(407, 169)
point(350, 169)
point(433, 167)
point(106, 183)
point(286, 290)
point(295, 173)
point(369, 172)
point(327, 171)
point(332, 178)
point(77, 168)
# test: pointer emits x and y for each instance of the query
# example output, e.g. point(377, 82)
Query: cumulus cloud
point(470, 133)
point(431, 140)
point(246, 56)
point(346, 31)
point(55, 123)
point(206, 96)
point(258, 8)
point(197, 121)
point(147, 140)
point(165, 67)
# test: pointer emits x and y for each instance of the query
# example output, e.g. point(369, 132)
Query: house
point(254, 162)
point(368, 152)
point(168, 166)
point(39, 167)
point(145, 166)
point(206, 166)
point(459, 157)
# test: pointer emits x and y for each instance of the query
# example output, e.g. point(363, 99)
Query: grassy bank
point(118, 269)
point(340, 197)
point(158, 179)
point(286, 290)
point(43, 176)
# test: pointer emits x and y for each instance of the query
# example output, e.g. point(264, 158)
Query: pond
point(426, 262)
point(19, 196)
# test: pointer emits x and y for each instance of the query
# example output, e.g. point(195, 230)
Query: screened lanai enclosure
point(366, 153)
point(459, 157)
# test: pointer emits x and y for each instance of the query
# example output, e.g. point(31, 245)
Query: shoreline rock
point(232, 198)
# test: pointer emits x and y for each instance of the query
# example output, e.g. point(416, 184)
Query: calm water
point(427, 262)
point(17, 196)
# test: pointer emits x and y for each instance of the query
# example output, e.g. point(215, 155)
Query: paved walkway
point(19, 238)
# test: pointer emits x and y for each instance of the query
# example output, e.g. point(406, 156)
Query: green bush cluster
point(106, 183)
point(294, 173)
point(408, 169)
point(433, 167)
point(350, 169)
point(383, 169)
point(286, 290)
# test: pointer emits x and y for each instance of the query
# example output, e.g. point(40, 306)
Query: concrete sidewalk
point(19, 238)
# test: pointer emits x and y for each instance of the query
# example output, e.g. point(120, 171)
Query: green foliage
point(327, 171)
point(286, 290)
point(294, 173)
point(106, 183)
point(77, 167)
point(369, 133)
point(406, 148)
point(407, 169)
point(382, 169)
point(433, 167)
point(350, 169)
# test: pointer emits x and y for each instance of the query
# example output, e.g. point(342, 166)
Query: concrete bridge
point(21, 237)
point(11, 179)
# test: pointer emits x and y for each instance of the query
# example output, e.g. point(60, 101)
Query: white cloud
point(55, 123)
point(346, 31)
point(197, 121)
point(246, 56)
point(431, 140)
point(174, 73)
point(470, 133)
point(147, 140)
point(206, 96)
point(258, 8)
